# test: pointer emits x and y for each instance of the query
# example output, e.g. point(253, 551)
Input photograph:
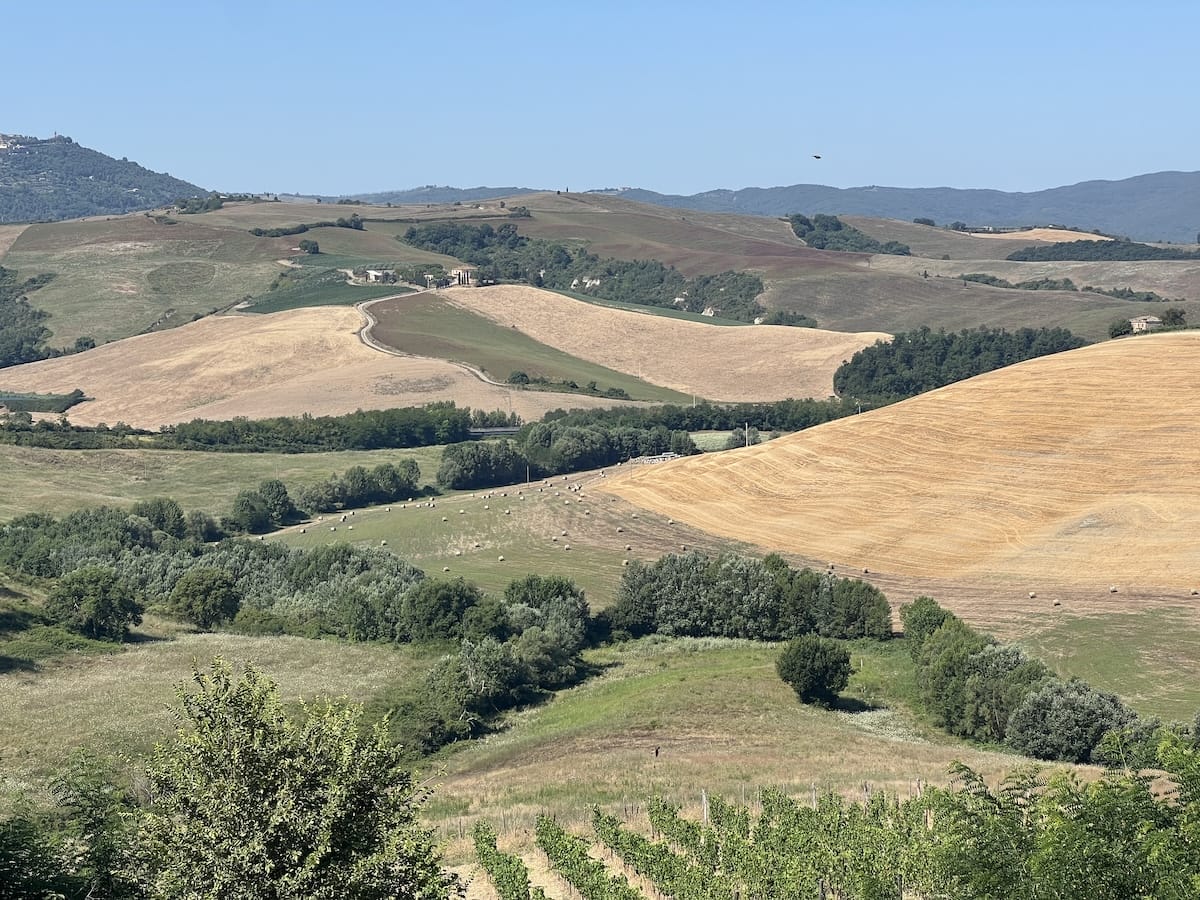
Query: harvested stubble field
point(431, 324)
point(1075, 469)
point(300, 361)
point(766, 362)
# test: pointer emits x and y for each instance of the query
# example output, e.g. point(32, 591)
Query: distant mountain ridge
point(430, 193)
point(1160, 206)
point(56, 178)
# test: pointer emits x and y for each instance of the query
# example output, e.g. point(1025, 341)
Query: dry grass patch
point(1043, 235)
point(729, 364)
point(289, 363)
point(8, 235)
point(122, 703)
point(1076, 468)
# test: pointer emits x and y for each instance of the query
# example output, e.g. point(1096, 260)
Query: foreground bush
point(816, 668)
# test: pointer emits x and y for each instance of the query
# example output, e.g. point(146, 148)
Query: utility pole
point(747, 434)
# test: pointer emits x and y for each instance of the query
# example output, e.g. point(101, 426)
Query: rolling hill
point(56, 178)
point(288, 363)
point(1154, 207)
point(1076, 468)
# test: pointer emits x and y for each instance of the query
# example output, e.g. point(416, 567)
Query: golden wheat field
point(764, 362)
point(287, 363)
point(1047, 235)
point(1078, 468)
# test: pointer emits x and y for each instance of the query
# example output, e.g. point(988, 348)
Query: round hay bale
point(628, 547)
point(1057, 603)
point(304, 531)
point(866, 571)
point(487, 506)
point(383, 543)
point(445, 568)
point(458, 553)
point(564, 534)
point(587, 512)
point(476, 545)
point(683, 547)
point(462, 512)
point(500, 558)
point(620, 530)
point(1195, 592)
point(349, 527)
point(1032, 595)
point(508, 512)
point(566, 546)
point(333, 528)
point(635, 515)
point(624, 562)
point(670, 521)
point(1112, 589)
point(554, 538)
point(444, 519)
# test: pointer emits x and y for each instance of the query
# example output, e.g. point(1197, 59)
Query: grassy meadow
point(427, 325)
point(59, 481)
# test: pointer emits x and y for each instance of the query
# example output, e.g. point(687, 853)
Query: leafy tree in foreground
point(206, 596)
point(94, 602)
point(251, 804)
point(816, 668)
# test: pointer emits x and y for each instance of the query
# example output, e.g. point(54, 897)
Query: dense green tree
point(1065, 720)
point(206, 596)
point(251, 803)
point(1119, 327)
point(280, 508)
point(816, 668)
point(250, 513)
point(920, 619)
point(1174, 317)
point(433, 609)
point(309, 246)
point(94, 602)
point(164, 514)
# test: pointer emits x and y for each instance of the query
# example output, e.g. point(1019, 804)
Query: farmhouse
point(1145, 323)
point(381, 276)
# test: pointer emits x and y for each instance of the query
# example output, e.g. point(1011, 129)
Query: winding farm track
point(1072, 472)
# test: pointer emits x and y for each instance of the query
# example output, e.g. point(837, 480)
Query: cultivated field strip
point(288, 363)
point(731, 364)
point(1077, 468)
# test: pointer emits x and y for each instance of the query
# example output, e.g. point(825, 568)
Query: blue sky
point(676, 97)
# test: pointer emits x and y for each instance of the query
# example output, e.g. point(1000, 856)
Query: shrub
point(816, 668)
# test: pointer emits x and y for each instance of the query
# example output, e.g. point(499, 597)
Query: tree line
point(502, 254)
point(354, 221)
point(825, 232)
point(920, 360)
point(553, 449)
point(1099, 251)
point(23, 331)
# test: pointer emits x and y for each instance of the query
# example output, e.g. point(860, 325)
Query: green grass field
point(121, 703)
point(664, 311)
point(304, 287)
point(1151, 658)
point(429, 326)
point(723, 723)
point(525, 527)
point(58, 481)
point(119, 277)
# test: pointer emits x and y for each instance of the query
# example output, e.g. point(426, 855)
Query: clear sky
point(678, 97)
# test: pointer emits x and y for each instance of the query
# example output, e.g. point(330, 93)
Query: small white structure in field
point(349, 527)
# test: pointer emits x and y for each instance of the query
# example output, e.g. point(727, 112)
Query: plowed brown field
point(1079, 468)
point(288, 363)
point(764, 362)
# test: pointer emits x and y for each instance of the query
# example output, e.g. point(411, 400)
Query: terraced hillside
point(1075, 468)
